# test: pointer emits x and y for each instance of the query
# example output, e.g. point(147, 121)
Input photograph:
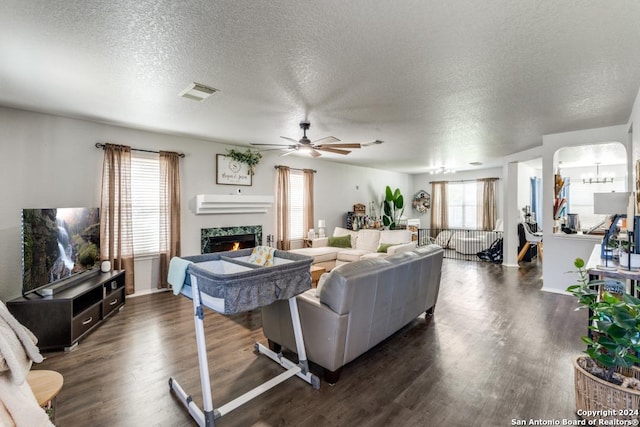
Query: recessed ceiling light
point(198, 92)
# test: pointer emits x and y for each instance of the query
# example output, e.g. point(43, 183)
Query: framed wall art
point(231, 172)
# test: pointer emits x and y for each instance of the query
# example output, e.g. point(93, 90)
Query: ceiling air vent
point(198, 92)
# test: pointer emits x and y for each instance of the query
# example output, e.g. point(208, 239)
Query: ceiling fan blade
point(352, 145)
point(327, 139)
point(332, 150)
point(314, 153)
point(284, 147)
point(288, 152)
point(271, 145)
point(368, 143)
point(289, 139)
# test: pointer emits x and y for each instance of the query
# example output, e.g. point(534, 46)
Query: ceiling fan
point(314, 147)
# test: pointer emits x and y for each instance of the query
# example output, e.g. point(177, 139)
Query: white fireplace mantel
point(231, 204)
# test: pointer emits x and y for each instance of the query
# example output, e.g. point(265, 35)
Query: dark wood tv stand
point(61, 320)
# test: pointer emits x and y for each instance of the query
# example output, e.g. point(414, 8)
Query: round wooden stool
point(45, 386)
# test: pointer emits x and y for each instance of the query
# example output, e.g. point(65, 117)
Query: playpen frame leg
point(303, 364)
point(206, 418)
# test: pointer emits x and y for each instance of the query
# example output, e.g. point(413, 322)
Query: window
point(463, 203)
point(296, 205)
point(145, 202)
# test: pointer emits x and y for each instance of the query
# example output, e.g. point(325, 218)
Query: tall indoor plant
point(392, 207)
point(607, 378)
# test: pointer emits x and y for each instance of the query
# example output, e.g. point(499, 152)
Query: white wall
point(51, 161)
point(511, 213)
point(560, 251)
point(525, 173)
point(423, 182)
point(634, 141)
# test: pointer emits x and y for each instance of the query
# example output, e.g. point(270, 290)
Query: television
point(58, 244)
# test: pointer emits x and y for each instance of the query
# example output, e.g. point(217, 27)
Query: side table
point(45, 386)
point(316, 272)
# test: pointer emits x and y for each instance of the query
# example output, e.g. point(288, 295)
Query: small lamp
point(321, 226)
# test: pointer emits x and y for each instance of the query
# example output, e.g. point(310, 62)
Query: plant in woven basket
point(614, 322)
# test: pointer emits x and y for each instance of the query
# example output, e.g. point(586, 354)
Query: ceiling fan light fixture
point(314, 148)
point(198, 92)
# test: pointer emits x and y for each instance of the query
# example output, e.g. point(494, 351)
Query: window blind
point(145, 201)
point(296, 205)
point(463, 204)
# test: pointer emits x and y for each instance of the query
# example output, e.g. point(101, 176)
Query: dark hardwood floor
point(496, 349)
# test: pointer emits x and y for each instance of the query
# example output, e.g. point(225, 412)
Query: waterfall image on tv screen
point(58, 243)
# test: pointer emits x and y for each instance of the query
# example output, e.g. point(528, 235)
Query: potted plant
point(392, 207)
point(249, 158)
point(607, 378)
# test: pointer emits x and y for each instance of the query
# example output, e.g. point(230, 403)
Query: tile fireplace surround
point(205, 233)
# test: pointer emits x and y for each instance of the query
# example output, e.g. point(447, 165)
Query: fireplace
point(230, 243)
point(221, 239)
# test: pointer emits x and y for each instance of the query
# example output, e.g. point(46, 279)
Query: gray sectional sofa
point(358, 305)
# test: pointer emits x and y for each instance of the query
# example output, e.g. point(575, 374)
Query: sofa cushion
point(401, 257)
point(321, 254)
point(340, 241)
point(374, 255)
point(395, 236)
point(335, 293)
point(351, 255)
point(368, 240)
point(324, 278)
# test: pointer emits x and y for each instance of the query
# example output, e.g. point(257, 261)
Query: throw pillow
point(385, 246)
point(340, 242)
point(262, 255)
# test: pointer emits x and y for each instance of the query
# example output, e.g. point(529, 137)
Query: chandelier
point(597, 180)
point(442, 170)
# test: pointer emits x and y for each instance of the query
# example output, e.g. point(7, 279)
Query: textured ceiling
point(443, 83)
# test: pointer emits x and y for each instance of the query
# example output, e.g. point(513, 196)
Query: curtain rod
point(295, 169)
point(101, 145)
point(467, 180)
